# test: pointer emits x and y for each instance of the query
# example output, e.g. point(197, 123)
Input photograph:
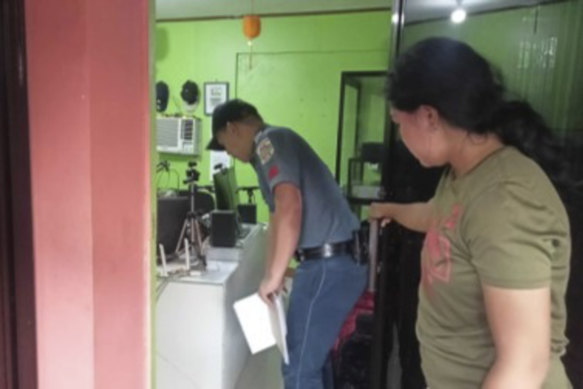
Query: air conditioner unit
point(179, 135)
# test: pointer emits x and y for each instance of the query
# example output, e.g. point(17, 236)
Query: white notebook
point(262, 325)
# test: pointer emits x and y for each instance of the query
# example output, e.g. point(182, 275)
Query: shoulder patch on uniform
point(273, 172)
point(265, 150)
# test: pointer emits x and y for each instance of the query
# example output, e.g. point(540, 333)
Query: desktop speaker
point(223, 228)
point(248, 213)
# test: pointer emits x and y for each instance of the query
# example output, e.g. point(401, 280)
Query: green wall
point(292, 76)
point(370, 103)
point(536, 48)
point(372, 122)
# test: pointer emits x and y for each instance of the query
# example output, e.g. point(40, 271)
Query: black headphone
point(190, 92)
point(162, 94)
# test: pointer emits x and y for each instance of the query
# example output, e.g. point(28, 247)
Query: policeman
point(309, 217)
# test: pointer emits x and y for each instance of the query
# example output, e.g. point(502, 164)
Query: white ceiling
point(185, 9)
point(415, 9)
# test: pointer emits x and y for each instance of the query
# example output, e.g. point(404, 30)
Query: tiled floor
point(262, 371)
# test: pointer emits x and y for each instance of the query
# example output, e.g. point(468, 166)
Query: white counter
point(199, 344)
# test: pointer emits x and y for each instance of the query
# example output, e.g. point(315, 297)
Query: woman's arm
point(520, 325)
point(414, 216)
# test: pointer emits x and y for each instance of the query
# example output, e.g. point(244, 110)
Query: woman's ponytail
point(518, 125)
point(467, 92)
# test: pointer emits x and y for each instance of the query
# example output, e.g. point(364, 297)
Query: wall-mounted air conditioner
point(179, 135)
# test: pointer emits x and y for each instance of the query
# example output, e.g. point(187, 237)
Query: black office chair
point(204, 200)
point(172, 211)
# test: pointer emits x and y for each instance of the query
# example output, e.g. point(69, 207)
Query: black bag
point(351, 354)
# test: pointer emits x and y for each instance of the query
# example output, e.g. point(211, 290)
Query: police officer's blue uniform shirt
point(280, 156)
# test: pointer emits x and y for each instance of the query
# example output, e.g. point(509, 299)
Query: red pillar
point(89, 104)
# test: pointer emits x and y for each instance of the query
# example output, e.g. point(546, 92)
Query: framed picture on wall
point(215, 93)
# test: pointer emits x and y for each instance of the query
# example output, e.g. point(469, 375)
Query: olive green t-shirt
point(503, 225)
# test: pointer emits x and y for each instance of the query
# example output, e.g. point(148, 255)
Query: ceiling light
point(458, 15)
point(395, 18)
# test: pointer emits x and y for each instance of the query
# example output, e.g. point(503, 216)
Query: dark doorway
point(18, 368)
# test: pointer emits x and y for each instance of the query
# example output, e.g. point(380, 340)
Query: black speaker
point(248, 213)
point(372, 152)
point(223, 228)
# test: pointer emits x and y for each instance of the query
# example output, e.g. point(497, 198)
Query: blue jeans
point(323, 293)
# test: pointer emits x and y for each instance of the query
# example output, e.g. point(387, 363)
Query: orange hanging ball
point(251, 26)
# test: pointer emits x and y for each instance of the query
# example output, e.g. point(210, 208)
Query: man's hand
point(268, 286)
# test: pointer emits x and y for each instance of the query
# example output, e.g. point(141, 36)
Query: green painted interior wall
point(292, 76)
point(372, 121)
point(314, 89)
point(373, 113)
point(370, 103)
point(536, 49)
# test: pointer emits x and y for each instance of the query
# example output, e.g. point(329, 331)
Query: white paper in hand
point(278, 326)
point(262, 325)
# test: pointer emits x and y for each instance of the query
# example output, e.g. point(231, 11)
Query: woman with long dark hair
point(495, 261)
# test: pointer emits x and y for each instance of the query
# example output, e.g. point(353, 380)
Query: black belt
point(325, 251)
